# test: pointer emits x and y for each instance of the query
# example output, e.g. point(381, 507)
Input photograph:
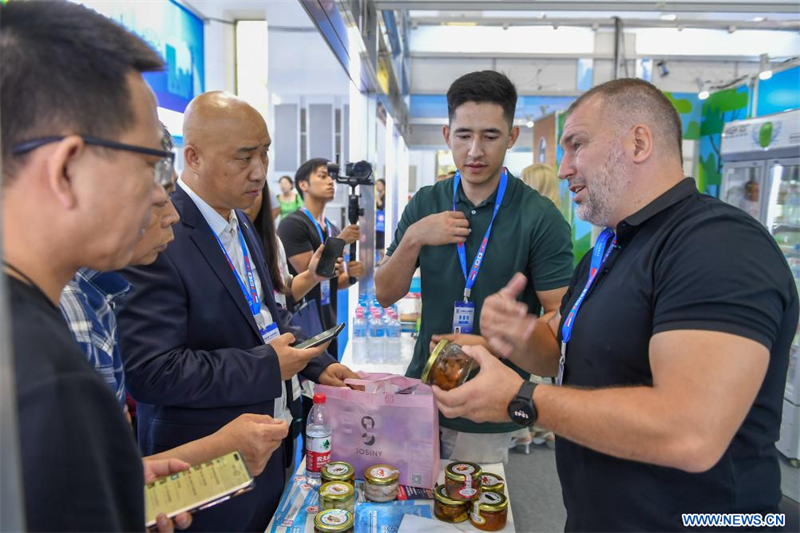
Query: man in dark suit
point(202, 339)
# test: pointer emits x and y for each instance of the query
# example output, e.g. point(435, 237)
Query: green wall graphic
point(718, 109)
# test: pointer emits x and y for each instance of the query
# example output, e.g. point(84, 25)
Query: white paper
point(416, 524)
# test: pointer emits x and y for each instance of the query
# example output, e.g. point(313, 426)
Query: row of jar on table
point(467, 494)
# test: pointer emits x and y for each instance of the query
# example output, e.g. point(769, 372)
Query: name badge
point(463, 317)
point(325, 292)
point(270, 333)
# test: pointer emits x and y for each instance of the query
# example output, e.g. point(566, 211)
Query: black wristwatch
point(521, 409)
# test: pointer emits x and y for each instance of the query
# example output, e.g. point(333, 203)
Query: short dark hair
point(289, 178)
point(304, 172)
point(167, 142)
point(63, 71)
point(631, 100)
point(483, 86)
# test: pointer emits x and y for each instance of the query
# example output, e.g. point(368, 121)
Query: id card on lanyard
point(324, 286)
point(464, 310)
point(599, 256)
point(268, 332)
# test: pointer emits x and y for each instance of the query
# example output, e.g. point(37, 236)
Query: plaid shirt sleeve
point(95, 332)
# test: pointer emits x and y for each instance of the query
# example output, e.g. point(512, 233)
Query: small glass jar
point(338, 471)
point(447, 509)
point(381, 483)
point(337, 495)
point(463, 481)
point(489, 512)
point(448, 366)
point(492, 483)
point(334, 521)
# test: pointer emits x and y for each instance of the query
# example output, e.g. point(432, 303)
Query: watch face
point(522, 412)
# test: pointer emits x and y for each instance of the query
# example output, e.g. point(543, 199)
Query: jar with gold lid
point(492, 483)
point(462, 480)
point(338, 471)
point(489, 512)
point(447, 509)
point(448, 366)
point(337, 495)
point(334, 521)
point(381, 483)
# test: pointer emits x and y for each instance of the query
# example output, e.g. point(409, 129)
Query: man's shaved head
point(226, 150)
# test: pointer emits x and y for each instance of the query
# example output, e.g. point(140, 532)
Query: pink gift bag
point(389, 419)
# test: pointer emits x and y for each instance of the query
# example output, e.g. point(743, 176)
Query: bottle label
point(318, 453)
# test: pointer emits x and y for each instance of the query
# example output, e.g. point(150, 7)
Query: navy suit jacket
point(194, 359)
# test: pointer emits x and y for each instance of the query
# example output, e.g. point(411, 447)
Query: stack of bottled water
point(376, 333)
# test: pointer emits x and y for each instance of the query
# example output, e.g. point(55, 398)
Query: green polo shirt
point(529, 235)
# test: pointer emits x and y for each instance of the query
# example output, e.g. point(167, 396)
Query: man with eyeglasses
point(80, 149)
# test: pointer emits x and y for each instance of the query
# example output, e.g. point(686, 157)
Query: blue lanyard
point(462, 254)
point(250, 295)
point(599, 256)
point(316, 224)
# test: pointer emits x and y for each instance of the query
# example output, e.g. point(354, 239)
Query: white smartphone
point(199, 487)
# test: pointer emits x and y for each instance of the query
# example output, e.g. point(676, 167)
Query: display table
point(299, 505)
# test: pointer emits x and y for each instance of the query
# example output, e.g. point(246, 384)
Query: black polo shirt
point(529, 235)
point(299, 235)
point(685, 261)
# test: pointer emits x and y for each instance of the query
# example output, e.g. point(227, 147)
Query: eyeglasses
point(163, 168)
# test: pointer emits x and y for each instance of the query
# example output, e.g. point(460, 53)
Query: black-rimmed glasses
point(163, 168)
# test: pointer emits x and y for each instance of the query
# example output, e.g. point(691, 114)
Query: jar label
point(463, 469)
point(489, 480)
point(335, 517)
point(381, 472)
point(475, 515)
point(336, 489)
point(468, 492)
point(491, 498)
point(338, 470)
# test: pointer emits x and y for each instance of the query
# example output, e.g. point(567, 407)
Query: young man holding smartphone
point(305, 230)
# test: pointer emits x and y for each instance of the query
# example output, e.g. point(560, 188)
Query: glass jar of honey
point(448, 366)
point(463, 481)
point(489, 512)
point(492, 483)
point(447, 509)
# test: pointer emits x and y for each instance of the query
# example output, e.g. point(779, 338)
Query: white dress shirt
point(228, 233)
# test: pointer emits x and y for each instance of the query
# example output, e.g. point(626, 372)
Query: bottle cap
point(319, 398)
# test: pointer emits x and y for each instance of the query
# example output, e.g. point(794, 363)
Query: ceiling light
point(759, 19)
point(529, 123)
point(670, 16)
point(702, 95)
point(767, 74)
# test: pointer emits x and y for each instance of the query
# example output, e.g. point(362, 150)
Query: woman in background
point(543, 179)
point(288, 200)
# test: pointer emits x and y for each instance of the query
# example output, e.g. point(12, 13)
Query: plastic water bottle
point(393, 338)
point(360, 333)
point(377, 337)
point(318, 441)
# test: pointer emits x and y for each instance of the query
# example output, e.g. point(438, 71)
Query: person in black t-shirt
point(305, 230)
point(673, 361)
point(71, 82)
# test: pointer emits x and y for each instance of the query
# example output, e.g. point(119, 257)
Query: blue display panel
point(176, 34)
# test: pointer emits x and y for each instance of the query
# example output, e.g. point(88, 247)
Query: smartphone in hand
point(332, 251)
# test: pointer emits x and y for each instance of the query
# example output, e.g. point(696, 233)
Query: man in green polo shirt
point(525, 232)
